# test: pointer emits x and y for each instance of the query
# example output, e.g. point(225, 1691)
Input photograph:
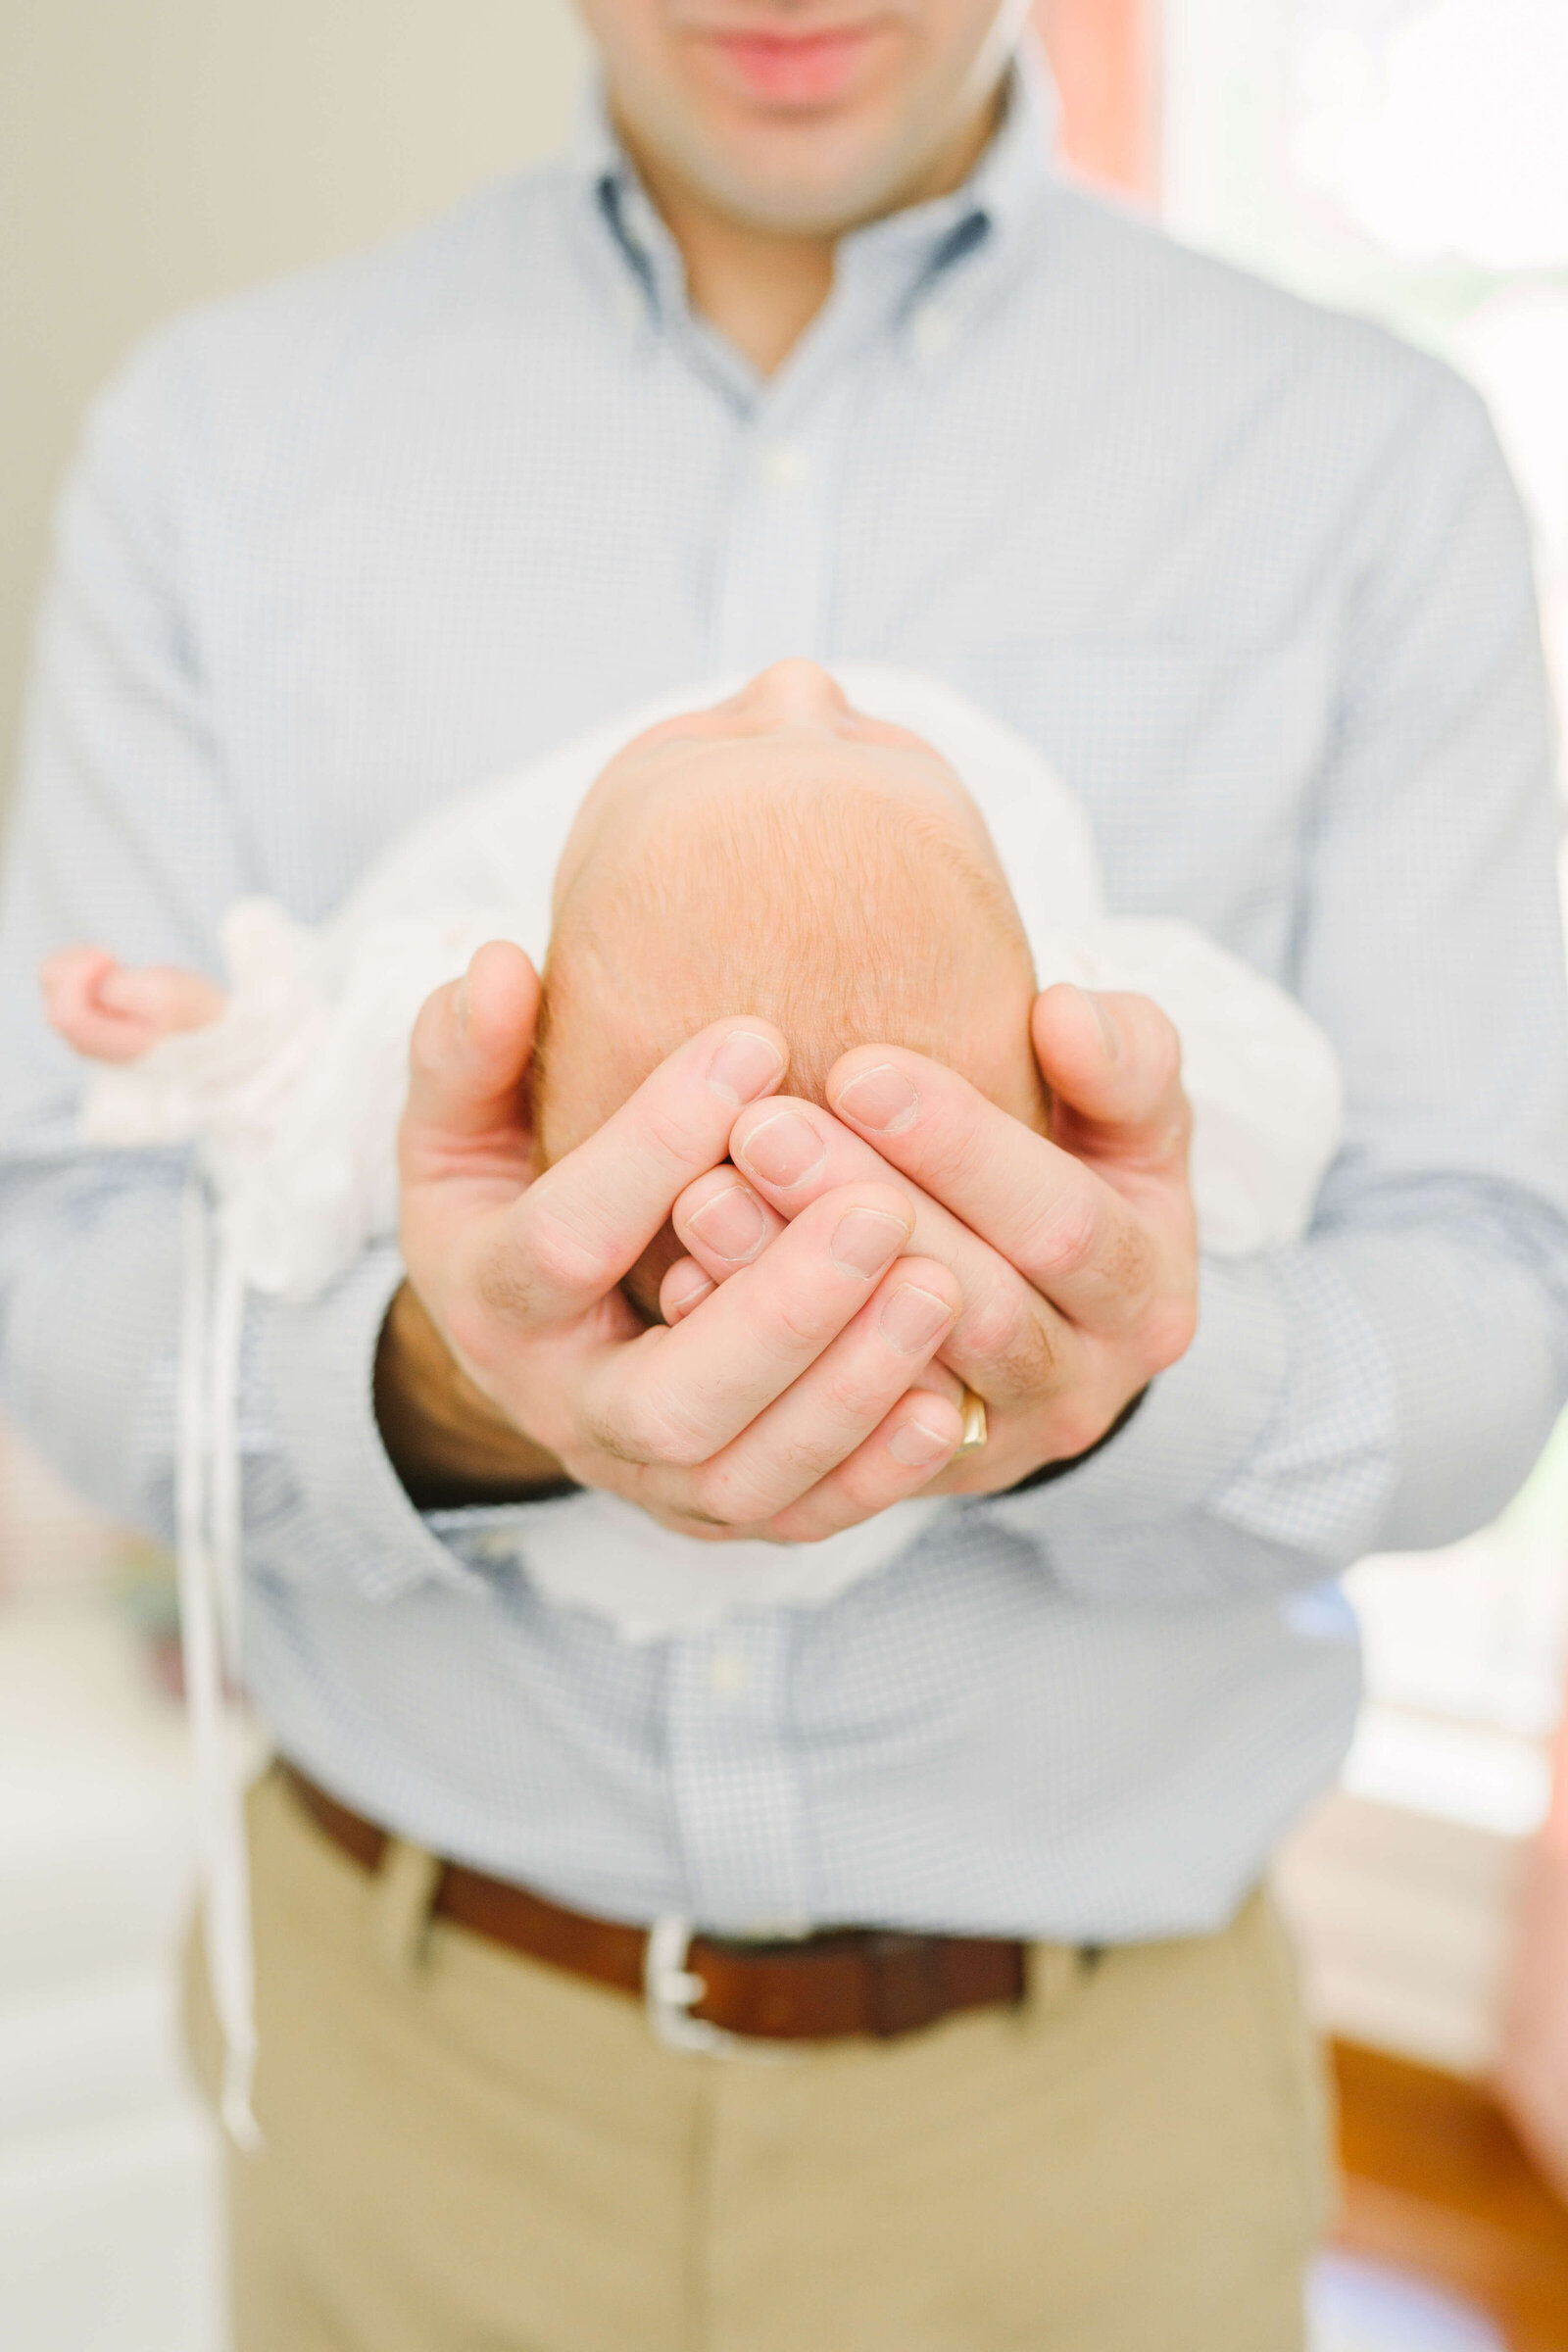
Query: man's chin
point(799, 181)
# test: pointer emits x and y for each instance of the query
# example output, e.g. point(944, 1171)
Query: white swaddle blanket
point(296, 1090)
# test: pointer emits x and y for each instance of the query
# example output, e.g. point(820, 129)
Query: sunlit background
point(1404, 157)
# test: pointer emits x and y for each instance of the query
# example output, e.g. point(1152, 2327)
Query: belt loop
point(1051, 1971)
point(402, 1895)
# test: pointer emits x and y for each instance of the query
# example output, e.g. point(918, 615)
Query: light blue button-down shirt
point(1251, 575)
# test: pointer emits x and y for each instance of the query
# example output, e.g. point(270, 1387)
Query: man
point(804, 352)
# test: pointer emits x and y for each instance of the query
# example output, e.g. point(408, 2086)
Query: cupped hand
point(781, 1403)
point(1077, 1257)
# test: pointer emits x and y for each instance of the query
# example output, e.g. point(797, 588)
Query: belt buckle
point(671, 1990)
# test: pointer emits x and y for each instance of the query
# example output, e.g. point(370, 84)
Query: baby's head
point(780, 855)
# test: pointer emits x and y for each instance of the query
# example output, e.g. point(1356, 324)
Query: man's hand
point(780, 1404)
point(1077, 1258)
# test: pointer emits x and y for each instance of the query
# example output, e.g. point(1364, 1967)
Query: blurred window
point(1408, 159)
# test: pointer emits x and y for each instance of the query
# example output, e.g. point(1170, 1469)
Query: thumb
point(471, 1047)
point(1113, 1065)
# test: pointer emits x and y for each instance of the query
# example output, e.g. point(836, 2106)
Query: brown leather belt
point(702, 1988)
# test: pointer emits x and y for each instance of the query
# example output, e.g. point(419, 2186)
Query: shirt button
point(785, 464)
point(728, 1673)
point(934, 330)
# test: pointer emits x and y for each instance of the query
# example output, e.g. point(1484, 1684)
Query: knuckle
point(798, 1317)
point(853, 1399)
point(824, 1509)
point(956, 1155)
point(555, 1256)
point(610, 1433)
point(665, 1436)
point(679, 1138)
point(725, 1496)
point(502, 1292)
point(1012, 1339)
point(990, 1322)
point(1127, 1269)
point(1061, 1235)
point(635, 1424)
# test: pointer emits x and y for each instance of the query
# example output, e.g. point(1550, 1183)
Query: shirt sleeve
point(124, 834)
point(1386, 1383)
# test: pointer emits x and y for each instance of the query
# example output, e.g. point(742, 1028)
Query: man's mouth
point(793, 68)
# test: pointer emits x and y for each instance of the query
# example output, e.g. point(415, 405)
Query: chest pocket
point(1194, 763)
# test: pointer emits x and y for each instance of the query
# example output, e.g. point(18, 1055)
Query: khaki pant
point(469, 2149)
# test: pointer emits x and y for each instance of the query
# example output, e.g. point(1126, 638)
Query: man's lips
point(805, 69)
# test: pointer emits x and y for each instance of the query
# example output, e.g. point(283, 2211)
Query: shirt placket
point(774, 572)
point(733, 1772)
point(740, 1820)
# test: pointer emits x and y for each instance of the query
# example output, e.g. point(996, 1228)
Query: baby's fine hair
point(846, 915)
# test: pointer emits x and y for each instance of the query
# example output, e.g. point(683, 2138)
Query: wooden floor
point(1435, 2183)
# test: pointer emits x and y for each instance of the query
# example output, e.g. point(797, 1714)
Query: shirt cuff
point(1197, 1423)
point(318, 1365)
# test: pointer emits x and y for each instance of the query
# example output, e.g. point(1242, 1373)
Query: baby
point(846, 893)
point(781, 853)
point(846, 899)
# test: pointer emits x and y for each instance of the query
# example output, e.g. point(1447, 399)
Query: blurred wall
point(154, 153)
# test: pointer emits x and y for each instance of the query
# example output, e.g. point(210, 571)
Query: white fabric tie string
point(207, 1507)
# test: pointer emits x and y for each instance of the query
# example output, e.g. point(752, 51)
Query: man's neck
point(761, 288)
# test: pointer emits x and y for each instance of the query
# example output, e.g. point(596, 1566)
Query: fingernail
point(1104, 1023)
point(881, 1099)
point(913, 1445)
point(783, 1150)
point(865, 1240)
point(911, 1319)
point(732, 1224)
point(679, 1301)
point(742, 1066)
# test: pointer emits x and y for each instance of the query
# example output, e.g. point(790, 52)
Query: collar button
point(785, 466)
point(934, 330)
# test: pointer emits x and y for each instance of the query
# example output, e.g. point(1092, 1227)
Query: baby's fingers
point(70, 983)
point(114, 1015)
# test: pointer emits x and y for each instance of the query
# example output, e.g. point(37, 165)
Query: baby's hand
point(111, 1015)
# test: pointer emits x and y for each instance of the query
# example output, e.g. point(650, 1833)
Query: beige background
point(154, 153)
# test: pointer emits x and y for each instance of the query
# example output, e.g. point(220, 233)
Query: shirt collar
point(900, 255)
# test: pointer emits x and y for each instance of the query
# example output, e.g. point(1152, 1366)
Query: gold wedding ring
point(976, 1429)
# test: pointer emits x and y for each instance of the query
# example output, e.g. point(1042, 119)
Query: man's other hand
point(780, 1404)
point(1077, 1257)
